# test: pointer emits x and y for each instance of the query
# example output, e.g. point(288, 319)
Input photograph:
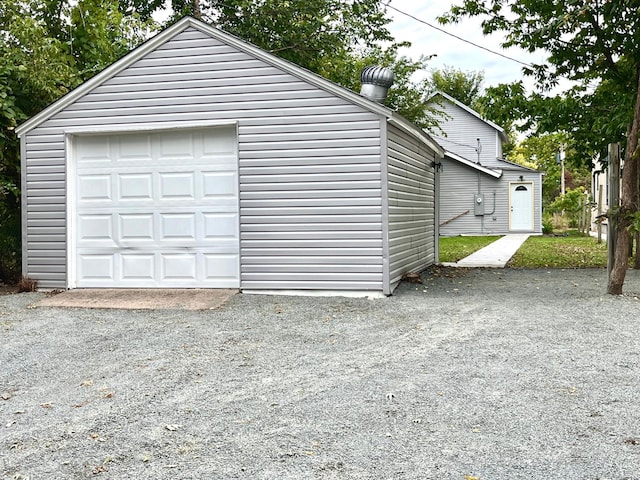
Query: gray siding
point(462, 131)
point(309, 164)
point(459, 183)
point(411, 197)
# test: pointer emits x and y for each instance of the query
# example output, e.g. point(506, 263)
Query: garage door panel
point(92, 228)
point(219, 184)
point(177, 146)
point(135, 186)
point(96, 267)
point(178, 226)
point(93, 188)
point(158, 210)
point(177, 186)
point(220, 226)
point(136, 226)
point(217, 146)
point(138, 267)
point(136, 148)
point(220, 266)
point(93, 150)
point(179, 266)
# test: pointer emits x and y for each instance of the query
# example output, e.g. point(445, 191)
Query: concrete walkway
point(494, 255)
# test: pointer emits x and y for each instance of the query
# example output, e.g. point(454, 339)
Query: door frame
point(512, 187)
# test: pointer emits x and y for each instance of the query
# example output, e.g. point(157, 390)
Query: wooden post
point(599, 223)
point(613, 172)
point(580, 214)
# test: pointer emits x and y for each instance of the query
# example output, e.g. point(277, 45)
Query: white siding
point(309, 163)
point(411, 192)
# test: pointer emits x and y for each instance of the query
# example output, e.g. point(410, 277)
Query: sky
point(456, 53)
point(450, 51)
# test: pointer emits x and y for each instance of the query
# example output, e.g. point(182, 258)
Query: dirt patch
point(135, 299)
point(7, 289)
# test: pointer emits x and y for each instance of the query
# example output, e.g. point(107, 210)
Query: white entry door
point(521, 206)
point(157, 209)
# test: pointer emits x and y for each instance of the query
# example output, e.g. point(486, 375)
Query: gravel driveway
point(478, 374)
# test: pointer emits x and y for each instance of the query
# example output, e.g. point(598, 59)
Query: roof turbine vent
point(375, 83)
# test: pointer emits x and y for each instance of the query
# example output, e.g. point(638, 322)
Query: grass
point(453, 249)
point(571, 251)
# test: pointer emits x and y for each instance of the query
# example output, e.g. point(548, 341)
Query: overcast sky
point(453, 52)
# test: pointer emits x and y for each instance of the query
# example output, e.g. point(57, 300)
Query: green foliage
point(547, 224)
point(464, 86)
point(506, 105)
point(305, 32)
point(453, 249)
point(100, 34)
point(573, 203)
point(142, 8)
point(540, 152)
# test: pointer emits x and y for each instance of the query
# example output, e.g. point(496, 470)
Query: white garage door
point(157, 209)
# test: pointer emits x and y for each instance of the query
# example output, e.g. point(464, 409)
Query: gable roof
point(487, 171)
point(289, 67)
point(500, 130)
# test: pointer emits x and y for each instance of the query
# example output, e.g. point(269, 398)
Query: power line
point(456, 36)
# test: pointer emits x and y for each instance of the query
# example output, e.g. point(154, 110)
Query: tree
point(302, 31)
point(506, 105)
point(464, 86)
point(589, 42)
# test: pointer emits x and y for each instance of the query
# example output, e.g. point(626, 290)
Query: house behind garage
point(481, 192)
point(199, 160)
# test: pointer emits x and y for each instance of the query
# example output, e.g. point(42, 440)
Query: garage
point(156, 209)
point(201, 161)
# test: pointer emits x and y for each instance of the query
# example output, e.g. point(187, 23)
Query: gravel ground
point(477, 374)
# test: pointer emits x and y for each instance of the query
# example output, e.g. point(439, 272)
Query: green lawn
point(572, 251)
point(453, 249)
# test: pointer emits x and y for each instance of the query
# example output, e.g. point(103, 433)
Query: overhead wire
point(388, 4)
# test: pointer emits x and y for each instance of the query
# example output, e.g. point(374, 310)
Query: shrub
point(10, 243)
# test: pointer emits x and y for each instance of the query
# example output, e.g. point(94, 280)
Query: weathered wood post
point(599, 217)
point(613, 172)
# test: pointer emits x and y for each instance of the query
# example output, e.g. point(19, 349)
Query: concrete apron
point(134, 299)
